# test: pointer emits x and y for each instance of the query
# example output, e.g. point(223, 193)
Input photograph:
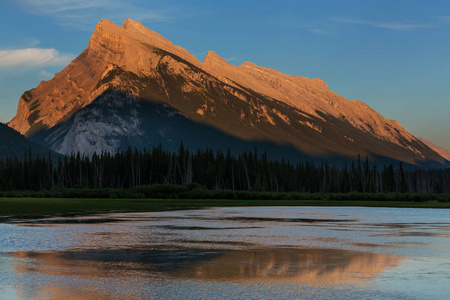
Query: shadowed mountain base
point(116, 121)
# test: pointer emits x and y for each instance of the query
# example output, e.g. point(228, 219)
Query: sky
point(392, 55)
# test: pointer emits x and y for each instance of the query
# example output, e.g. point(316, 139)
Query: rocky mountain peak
point(213, 59)
point(320, 82)
point(106, 25)
point(129, 23)
point(139, 32)
point(140, 62)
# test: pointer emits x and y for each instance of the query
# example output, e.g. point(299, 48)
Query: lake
point(230, 253)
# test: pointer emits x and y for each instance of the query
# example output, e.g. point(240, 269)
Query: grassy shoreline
point(24, 208)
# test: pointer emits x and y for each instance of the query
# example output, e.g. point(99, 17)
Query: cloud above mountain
point(83, 14)
point(33, 57)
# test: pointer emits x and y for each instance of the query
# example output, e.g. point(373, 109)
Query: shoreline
point(17, 209)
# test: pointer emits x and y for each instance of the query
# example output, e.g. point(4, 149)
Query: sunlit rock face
point(248, 102)
point(441, 151)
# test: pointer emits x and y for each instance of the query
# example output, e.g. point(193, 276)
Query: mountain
point(441, 151)
point(14, 144)
point(137, 67)
point(116, 120)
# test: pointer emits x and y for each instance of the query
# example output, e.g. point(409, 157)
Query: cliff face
point(248, 102)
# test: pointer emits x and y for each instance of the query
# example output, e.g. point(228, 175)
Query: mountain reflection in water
point(306, 266)
point(232, 253)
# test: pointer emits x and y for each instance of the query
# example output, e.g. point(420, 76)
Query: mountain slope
point(13, 143)
point(115, 120)
point(441, 151)
point(248, 102)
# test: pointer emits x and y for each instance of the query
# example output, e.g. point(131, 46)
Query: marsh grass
point(26, 207)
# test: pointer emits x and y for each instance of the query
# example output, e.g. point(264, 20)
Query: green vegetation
point(43, 207)
point(163, 180)
point(167, 197)
point(195, 191)
point(249, 171)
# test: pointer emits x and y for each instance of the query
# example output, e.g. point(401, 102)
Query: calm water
point(231, 253)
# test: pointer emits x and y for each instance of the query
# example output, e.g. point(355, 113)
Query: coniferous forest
point(214, 170)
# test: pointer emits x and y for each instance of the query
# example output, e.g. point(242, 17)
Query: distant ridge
point(248, 102)
point(13, 144)
point(441, 151)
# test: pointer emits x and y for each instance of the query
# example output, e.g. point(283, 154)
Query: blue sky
point(392, 55)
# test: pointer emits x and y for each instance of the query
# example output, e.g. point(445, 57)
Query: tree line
point(214, 170)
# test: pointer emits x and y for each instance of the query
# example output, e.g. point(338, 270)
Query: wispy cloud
point(45, 75)
point(20, 42)
point(33, 42)
point(231, 59)
point(318, 31)
point(55, 6)
point(315, 30)
point(385, 25)
point(32, 57)
point(84, 14)
point(444, 18)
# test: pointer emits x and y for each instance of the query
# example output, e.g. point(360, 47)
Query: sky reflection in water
point(240, 253)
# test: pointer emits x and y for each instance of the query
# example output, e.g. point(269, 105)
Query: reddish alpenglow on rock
point(247, 102)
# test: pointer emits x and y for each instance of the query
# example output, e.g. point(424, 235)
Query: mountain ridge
point(247, 101)
point(13, 144)
point(440, 150)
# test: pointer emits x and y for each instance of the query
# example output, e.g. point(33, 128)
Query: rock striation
point(248, 102)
